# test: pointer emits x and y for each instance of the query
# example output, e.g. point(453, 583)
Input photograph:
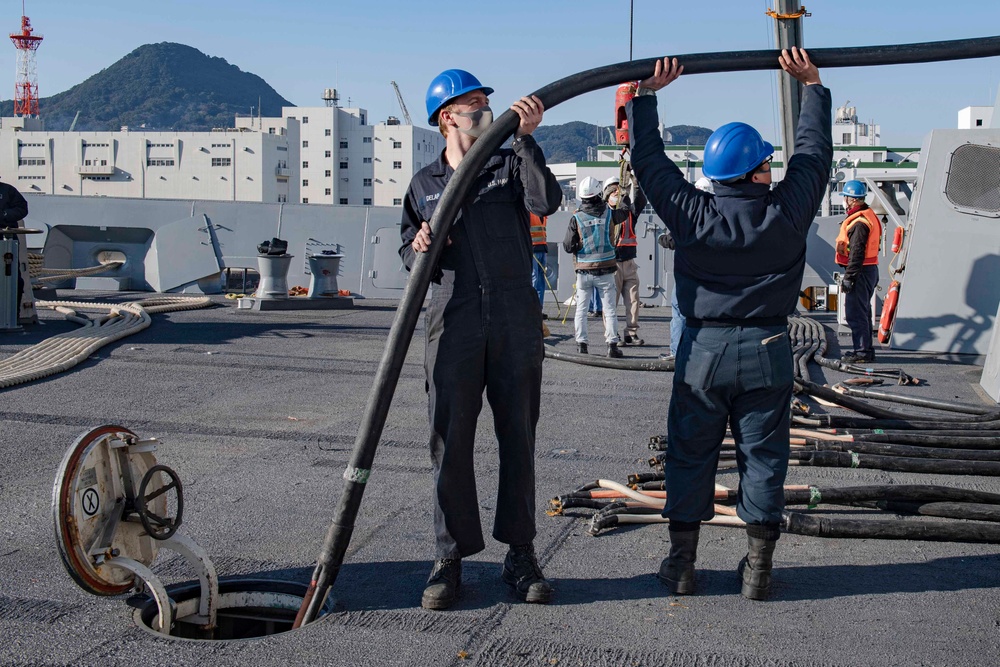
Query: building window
point(368, 183)
point(343, 144)
point(366, 140)
point(159, 162)
point(34, 162)
point(305, 164)
point(397, 165)
point(283, 148)
point(328, 154)
point(222, 162)
point(397, 144)
point(282, 198)
point(221, 146)
point(305, 119)
point(846, 138)
point(328, 192)
point(305, 182)
point(397, 202)
point(343, 201)
point(979, 122)
point(328, 173)
point(327, 132)
point(366, 160)
point(305, 144)
point(305, 200)
point(30, 178)
point(270, 130)
point(343, 165)
point(155, 145)
point(367, 201)
point(86, 163)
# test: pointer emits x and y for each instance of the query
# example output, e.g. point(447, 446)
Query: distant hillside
point(569, 142)
point(165, 86)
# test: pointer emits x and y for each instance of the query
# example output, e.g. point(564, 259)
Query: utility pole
point(788, 33)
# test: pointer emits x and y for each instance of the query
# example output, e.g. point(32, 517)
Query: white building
point(225, 165)
point(319, 155)
point(971, 118)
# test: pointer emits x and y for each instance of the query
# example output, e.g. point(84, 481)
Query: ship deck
point(258, 412)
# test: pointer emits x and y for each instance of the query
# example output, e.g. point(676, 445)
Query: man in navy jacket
point(739, 259)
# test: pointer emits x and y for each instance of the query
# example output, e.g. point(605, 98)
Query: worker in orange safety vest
point(857, 248)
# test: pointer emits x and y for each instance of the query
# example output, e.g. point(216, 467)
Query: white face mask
point(481, 119)
point(613, 201)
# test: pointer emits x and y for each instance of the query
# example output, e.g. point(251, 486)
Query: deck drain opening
point(245, 609)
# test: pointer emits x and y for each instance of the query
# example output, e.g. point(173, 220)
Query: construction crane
point(402, 104)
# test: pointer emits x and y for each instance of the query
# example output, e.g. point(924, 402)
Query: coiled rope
point(64, 351)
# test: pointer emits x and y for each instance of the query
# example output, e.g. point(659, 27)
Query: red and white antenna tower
point(26, 85)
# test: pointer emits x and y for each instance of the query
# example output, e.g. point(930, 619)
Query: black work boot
point(677, 569)
point(583, 348)
point(443, 584)
point(614, 352)
point(632, 340)
point(755, 568)
point(521, 571)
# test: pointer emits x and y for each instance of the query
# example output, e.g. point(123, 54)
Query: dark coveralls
point(13, 209)
point(484, 330)
point(739, 261)
point(858, 302)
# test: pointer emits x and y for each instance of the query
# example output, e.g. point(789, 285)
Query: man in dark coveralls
point(739, 259)
point(484, 330)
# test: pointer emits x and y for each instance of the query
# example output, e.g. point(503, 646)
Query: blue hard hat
point(734, 150)
point(448, 85)
point(855, 189)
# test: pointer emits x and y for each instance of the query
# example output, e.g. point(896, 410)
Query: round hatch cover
point(94, 490)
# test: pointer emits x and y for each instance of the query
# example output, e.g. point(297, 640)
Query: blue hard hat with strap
point(448, 85)
point(855, 189)
point(734, 150)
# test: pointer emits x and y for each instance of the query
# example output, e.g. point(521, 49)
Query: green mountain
point(569, 142)
point(163, 86)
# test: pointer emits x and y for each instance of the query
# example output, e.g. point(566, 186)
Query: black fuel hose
point(859, 406)
point(895, 463)
point(971, 511)
point(924, 493)
point(625, 364)
point(950, 406)
point(891, 449)
point(338, 536)
point(931, 439)
point(798, 523)
point(808, 330)
point(864, 424)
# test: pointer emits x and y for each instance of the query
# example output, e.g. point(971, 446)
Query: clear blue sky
point(517, 46)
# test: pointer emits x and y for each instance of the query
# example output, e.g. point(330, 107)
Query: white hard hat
point(705, 185)
point(614, 180)
point(588, 187)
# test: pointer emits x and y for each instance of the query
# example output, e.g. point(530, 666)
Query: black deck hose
point(815, 331)
point(844, 401)
point(338, 536)
point(950, 406)
point(625, 364)
point(658, 485)
point(958, 431)
point(923, 493)
point(922, 439)
point(891, 449)
point(643, 477)
point(895, 463)
point(971, 511)
point(865, 424)
point(798, 523)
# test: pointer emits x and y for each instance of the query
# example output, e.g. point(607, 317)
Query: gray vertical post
point(788, 33)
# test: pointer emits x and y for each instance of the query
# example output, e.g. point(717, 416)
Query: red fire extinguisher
point(626, 92)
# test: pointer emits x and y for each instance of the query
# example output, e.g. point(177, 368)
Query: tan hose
point(62, 352)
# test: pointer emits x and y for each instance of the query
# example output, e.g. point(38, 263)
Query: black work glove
point(846, 285)
point(666, 241)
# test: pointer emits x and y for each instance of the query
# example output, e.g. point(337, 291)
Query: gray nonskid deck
point(258, 414)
